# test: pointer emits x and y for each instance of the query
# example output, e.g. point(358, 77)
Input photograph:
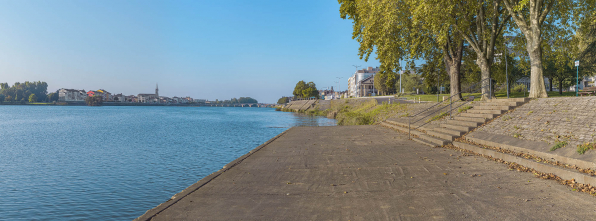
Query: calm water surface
point(114, 163)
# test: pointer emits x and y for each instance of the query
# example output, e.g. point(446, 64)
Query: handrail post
point(451, 106)
point(409, 136)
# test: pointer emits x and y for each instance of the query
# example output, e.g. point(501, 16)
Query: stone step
point(487, 116)
point(397, 123)
point(472, 119)
point(401, 129)
point(463, 123)
point(423, 142)
point(504, 103)
point(457, 127)
point(492, 108)
point(454, 132)
point(477, 111)
point(523, 100)
point(448, 137)
point(434, 140)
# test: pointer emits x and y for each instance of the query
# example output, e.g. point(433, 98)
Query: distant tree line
point(28, 91)
point(306, 90)
point(241, 100)
point(283, 100)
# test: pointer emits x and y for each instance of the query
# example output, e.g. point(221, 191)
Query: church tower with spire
point(156, 91)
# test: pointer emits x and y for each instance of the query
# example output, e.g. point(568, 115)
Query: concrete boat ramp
point(369, 173)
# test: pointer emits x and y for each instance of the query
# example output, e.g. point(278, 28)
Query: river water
point(114, 163)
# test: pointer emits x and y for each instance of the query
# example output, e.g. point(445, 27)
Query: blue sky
point(203, 49)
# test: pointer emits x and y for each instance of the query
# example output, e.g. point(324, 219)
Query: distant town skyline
point(207, 50)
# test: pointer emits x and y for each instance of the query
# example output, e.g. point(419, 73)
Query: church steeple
point(156, 91)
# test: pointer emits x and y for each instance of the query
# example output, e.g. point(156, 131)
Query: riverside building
point(355, 86)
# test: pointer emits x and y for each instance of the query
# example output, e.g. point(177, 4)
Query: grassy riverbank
point(358, 112)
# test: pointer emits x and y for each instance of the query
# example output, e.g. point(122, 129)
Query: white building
point(585, 82)
point(149, 98)
point(71, 95)
point(355, 81)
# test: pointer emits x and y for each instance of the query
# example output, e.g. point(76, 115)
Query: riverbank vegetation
point(24, 91)
point(94, 100)
point(357, 111)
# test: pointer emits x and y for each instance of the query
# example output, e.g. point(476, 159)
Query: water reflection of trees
point(312, 121)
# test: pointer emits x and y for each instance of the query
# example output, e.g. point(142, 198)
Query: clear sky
point(203, 49)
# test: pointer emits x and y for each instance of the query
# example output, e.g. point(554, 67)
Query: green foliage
point(2, 97)
point(247, 100)
point(94, 100)
point(22, 91)
point(32, 98)
point(241, 100)
point(385, 82)
point(8, 98)
point(283, 100)
point(52, 97)
point(519, 88)
point(411, 82)
point(306, 90)
point(582, 148)
point(558, 145)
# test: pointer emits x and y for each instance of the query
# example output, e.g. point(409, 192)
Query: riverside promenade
point(369, 173)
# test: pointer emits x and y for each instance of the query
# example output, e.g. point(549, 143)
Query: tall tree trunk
point(452, 55)
point(537, 88)
point(561, 87)
point(484, 76)
point(550, 83)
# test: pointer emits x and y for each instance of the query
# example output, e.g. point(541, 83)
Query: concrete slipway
point(369, 173)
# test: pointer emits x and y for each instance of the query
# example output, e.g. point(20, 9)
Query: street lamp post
point(339, 84)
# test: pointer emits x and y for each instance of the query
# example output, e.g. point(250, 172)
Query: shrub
point(519, 88)
point(582, 148)
point(558, 145)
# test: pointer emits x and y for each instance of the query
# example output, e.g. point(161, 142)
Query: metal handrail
point(469, 88)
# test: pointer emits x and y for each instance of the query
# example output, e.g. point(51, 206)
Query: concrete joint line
point(150, 214)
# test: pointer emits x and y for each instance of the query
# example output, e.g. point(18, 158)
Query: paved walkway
point(373, 173)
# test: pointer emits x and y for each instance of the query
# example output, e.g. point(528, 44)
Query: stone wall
point(571, 119)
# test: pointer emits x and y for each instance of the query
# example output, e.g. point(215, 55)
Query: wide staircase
point(458, 125)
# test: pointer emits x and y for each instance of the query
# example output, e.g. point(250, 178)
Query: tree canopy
point(397, 30)
point(94, 100)
point(283, 100)
point(22, 91)
point(306, 90)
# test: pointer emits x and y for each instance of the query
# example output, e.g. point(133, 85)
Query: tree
point(411, 82)
point(2, 97)
point(530, 17)
point(94, 100)
point(8, 98)
point(283, 100)
point(300, 86)
point(480, 23)
point(32, 98)
point(385, 82)
point(52, 97)
point(247, 100)
point(306, 90)
point(387, 28)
